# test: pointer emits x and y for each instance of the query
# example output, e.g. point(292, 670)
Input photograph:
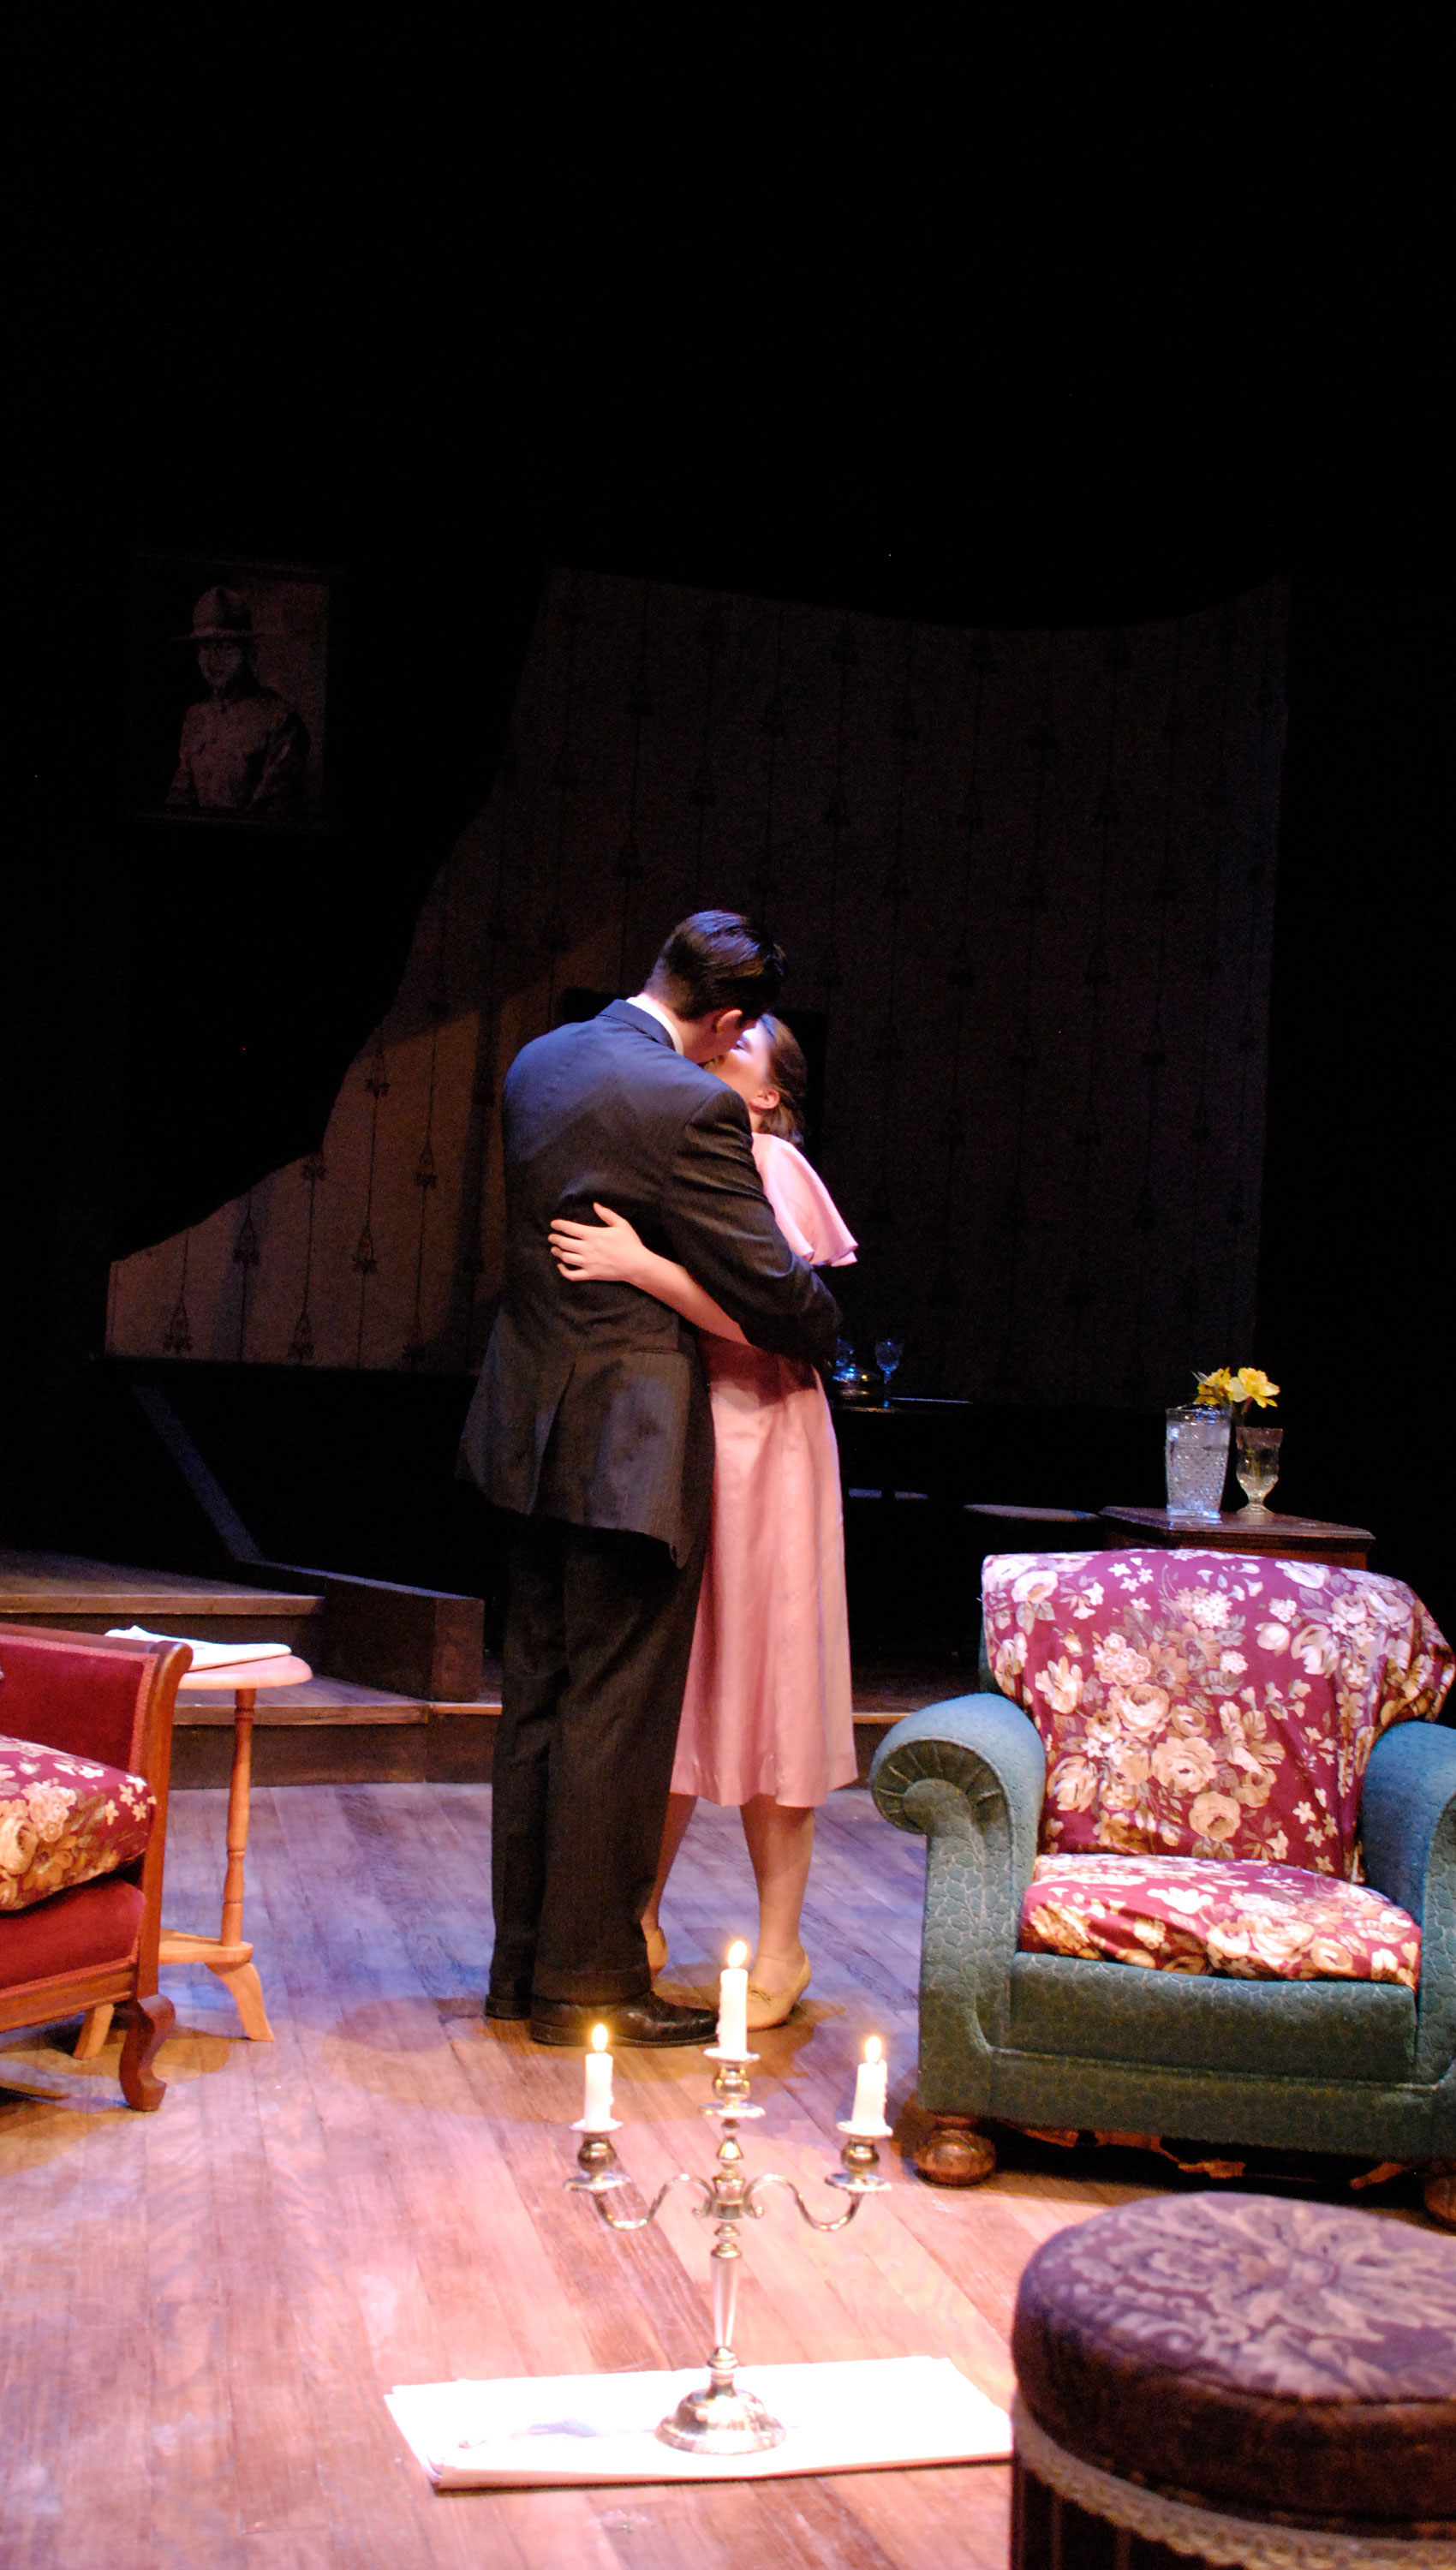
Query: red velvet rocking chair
point(94, 1941)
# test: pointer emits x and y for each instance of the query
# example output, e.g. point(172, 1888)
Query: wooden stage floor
point(201, 2309)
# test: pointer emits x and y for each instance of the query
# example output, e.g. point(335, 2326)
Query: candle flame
point(874, 2048)
point(599, 2038)
point(737, 1957)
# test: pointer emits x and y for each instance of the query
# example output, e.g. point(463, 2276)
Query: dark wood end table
point(1294, 1539)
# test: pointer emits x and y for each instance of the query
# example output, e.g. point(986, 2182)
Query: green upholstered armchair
point(1047, 2040)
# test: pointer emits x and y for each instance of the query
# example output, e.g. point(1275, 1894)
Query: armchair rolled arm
point(977, 1744)
point(1408, 1792)
point(1408, 1831)
point(969, 1775)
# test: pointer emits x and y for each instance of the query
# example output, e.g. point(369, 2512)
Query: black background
point(922, 330)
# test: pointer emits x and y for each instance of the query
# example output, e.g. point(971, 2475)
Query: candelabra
point(721, 2418)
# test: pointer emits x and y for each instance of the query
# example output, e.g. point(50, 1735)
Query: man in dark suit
point(591, 1425)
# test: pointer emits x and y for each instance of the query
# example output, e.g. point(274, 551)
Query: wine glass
point(1257, 1468)
point(887, 1354)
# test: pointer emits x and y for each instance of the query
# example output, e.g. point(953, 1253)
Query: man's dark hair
point(716, 961)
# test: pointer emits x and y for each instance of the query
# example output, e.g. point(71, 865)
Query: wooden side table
point(1294, 1539)
point(228, 1954)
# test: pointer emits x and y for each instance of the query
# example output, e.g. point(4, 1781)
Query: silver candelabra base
point(719, 2419)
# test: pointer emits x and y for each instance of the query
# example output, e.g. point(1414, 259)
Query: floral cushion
point(1260, 1922)
point(63, 1820)
point(1208, 1704)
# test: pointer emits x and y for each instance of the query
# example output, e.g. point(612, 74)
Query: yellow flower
point(1250, 1384)
point(1237, 1385)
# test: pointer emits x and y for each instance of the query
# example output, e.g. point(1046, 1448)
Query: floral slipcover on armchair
point(1208, 1886)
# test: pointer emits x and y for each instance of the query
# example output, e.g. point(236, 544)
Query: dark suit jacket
point(608, 1380)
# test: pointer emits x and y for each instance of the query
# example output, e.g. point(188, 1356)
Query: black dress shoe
point(647, 2020)
point(513, 2006)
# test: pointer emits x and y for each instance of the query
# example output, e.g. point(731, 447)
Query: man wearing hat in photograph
point(244, 749)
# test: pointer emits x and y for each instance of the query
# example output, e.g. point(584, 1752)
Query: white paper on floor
point(871, 2416)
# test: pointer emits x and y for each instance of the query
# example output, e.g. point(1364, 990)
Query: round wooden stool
point(1237, 2379)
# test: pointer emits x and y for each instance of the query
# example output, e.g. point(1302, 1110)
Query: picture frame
point(229, 691)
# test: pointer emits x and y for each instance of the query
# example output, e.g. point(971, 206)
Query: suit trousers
point(598, 1633)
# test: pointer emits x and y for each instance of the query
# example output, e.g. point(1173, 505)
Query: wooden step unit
point(335, 1732)
point(78, 1596)
point(381, 1653)
point(401, 1693)
point(332, 1733)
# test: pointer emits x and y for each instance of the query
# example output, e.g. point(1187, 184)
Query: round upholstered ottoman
point(1234, 2380)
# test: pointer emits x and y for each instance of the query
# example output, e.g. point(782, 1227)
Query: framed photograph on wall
point(229, 691)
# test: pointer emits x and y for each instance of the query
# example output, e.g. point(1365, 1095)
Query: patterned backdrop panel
point(1027, 885)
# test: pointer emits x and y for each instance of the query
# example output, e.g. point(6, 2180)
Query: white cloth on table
point(205, 1655)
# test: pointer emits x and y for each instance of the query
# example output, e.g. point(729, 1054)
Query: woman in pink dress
point(767, 1717)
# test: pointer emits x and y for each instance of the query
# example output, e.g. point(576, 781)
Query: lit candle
point(871, 2084)
point(596, 2101)
point(733, 2006)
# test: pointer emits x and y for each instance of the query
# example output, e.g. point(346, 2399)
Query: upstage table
point(1295, 1538)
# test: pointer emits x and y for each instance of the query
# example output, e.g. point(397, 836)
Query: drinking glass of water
point(1197, 1455)
point(887, 1354)
point(1256, 1465)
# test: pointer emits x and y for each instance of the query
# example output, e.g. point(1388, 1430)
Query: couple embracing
point(649, 1415)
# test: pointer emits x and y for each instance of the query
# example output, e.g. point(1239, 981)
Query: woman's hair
point(789, 1075)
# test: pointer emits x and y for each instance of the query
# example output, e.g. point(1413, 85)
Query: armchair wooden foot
point(955, 2153)
point(149, 2022)
point(1439, 2191)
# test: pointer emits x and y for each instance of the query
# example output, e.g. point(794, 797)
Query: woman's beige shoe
point(656, 1949)
point(771, 2007)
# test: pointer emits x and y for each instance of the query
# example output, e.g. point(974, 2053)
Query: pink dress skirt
point(768, 1707)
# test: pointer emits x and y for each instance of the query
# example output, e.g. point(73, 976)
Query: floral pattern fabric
point(65, 1820)
point(1253, 1923)
point(1208, 1704)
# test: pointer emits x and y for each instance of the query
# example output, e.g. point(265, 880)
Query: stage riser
point(295, 1631)
point(440, 1749)
point(414, 1643)
point(401, 1693)
point(343, 1753)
